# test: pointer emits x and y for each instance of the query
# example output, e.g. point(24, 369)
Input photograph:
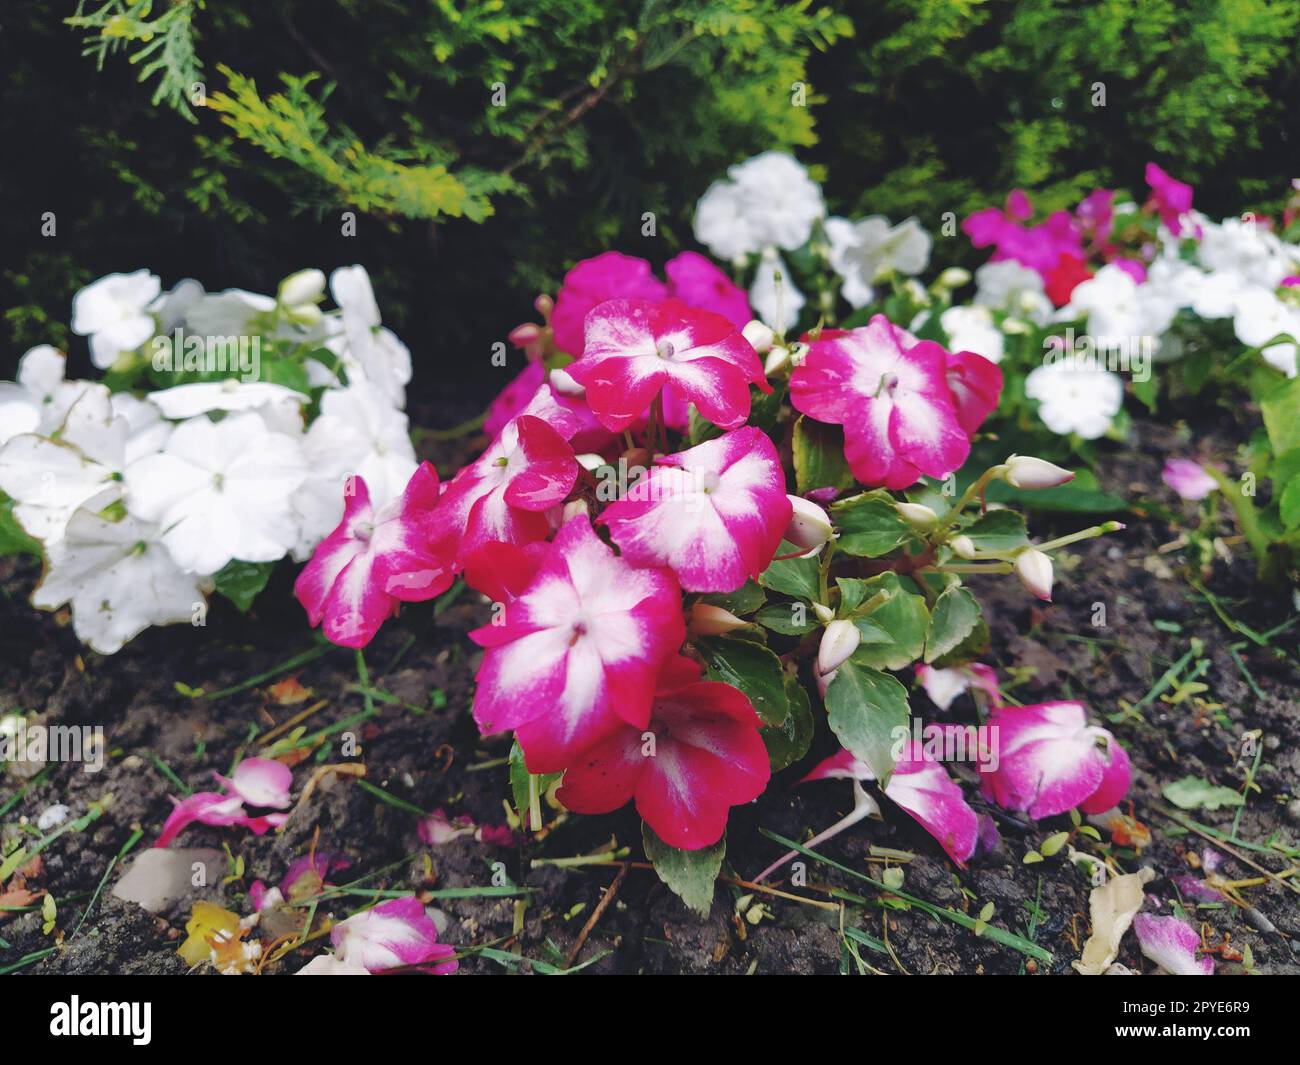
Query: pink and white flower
point(713, 514)
point(891, 394)
point(976, 386)
point(1171, 198)
point(1051, 760)
point(634, 348)
point(611, 275)
point(1189, 479)
point(396, 933)
point(578, 652)
point(923, 789)
point(504, 494)
point(374, 561)
point(699, 755)
point(1172, 944)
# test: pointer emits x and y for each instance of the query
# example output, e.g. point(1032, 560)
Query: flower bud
point(810, 526)
point(1034, 569)
point(918, 515)
point(953, 277)
point(823, 613)
point(1025, 471)
point(306, 286)
point(545, 305)
point(776, 359)
point(306, 314)
point(962, 546)
point(839, 640)
point(760, 336)
point(710, 620)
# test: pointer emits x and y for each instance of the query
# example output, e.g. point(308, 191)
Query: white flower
point(1075, 400)
point(366, 346)
point(39, 400)
point(114, 313)
point(777, 304)
point(1261, 316)
point(721, 224)
point(49, 479)
point(186, 401)
point(221, 491)
point(148, 431)
point(304, 288)
point(1244, 248)
point(973, 329)
point(1018, 290)
point(778, 198)
point(118, 578)
point(1110, 302)
point(172, 307)
point(864, 250)
point(356, 434)
point(233, 312)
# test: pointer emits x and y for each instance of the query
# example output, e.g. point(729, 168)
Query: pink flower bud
point(710, 620)
point(1025, 471)
point(760, 337)
point(810, 526)
point(839, 640)
point(1034, 569)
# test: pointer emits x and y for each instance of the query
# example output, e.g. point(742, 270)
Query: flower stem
point(1246, 511)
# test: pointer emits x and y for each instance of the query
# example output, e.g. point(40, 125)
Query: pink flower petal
point(696, 281)
point(1172, 945)
point(1188, 479)
point(611, 275)
point(924, 789)
point(394, 933)
point(205, 807)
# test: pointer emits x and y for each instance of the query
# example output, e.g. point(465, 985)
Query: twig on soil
point(1223, 840)
point(596, 915)
point(265, 738)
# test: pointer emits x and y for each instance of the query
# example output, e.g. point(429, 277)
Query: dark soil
point(428, 759)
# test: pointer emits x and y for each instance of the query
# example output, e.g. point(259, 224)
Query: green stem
point(1246, 511)
point(1085, 534)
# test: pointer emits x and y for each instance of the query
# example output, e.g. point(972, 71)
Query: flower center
point(664, 349)
point(218, 480)
point(363, 530)
point(888, 382)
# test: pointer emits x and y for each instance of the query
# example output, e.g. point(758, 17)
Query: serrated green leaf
point(955, 615)
point(798, 577)
point(689, 874)
point(819, 456)
point(869, 524)
point(752, 668)
point(867, 709)
point(998, 531)
point(783, 618)
point(240, 582)
point(745, 600)
point(1192, 793)
point(903, 617)
point(789, 741)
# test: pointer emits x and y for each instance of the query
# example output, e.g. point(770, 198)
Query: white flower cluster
point(140, 500)
point(769, 204)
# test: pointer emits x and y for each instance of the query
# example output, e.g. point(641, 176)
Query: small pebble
point(52, 817)
point(1293, 810)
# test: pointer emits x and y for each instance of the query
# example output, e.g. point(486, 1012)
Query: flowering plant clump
point(229, 430)
point(701, 534)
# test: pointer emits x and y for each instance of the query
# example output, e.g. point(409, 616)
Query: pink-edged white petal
point(714, 514)
point(923, 788)
point(1172, 944)
point(262, 782)
point(395, 933)
point(579, 648)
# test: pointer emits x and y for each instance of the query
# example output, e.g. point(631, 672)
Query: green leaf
point(870, 525)
point(745, 600)
point(1191, 793)
point(799, 577)
point(819, 457)
point(240, 582)
point(998, 531)
point(955, 616)
point(780, 617)
point(903, 617)
point(690, 874)
point(789, 741)
point(1289, 504)
point(752, 668)
point(1281, 409)
point(968, 650)
point(866, 708)
point(1083, 495)
point(700, 429)
point(13, 538)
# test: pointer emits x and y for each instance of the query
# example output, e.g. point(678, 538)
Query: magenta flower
point(396, 933)
point(696, 281)
point(1096, 214)
point(259, 782)
point(1188, 479)
point(514, 398)
point(1171, 944)
point(713, 514)
point(503, 572)
point(890, 392)
point(1051, 760)
point(374, 561)
point(923, 789)
point(503, 495)
point(1172, 199)
point(635, 348)
point(1038, 247)
point(699, 755)
point(578, 652)
point(976, 386)
point(609, 276)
